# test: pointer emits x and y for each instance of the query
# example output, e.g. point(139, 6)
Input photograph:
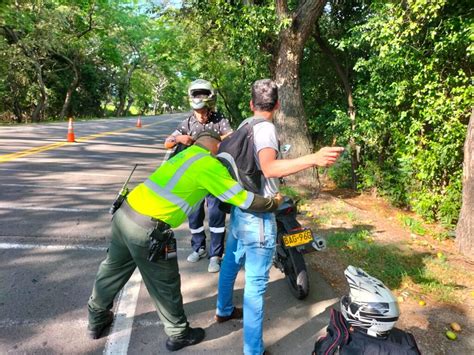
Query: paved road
point(53, 235)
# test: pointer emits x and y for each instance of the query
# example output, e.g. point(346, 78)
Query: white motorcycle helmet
point(201, 94)
point(370, 306)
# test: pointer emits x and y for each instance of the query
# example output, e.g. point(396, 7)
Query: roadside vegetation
point(390, 81)
point(414, 259)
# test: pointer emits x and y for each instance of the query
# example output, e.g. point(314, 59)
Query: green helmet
point(201, 94)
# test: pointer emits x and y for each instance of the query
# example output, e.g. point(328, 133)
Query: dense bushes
point(407, 66)
point(413, 98)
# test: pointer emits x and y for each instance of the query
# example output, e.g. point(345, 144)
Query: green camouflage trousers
point(129, 249)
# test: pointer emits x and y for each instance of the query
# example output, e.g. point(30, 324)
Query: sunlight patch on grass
point(414, 225)
point(294, 194)
point(396, 268)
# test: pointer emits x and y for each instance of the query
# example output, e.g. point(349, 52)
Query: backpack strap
point(337, 335)
point(256, 121)
point(252, 121)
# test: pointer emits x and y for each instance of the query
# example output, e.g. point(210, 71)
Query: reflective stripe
point(262, 231)
point(217, 229)
point(230, 159)
point(168, 195)
point(181, 170)
point(249, 200)
point(227, 195)
point(198, 230)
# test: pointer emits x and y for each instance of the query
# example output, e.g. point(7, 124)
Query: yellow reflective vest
point(178, 186)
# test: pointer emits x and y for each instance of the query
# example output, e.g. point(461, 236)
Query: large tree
point(297, 27)
point(465, 227)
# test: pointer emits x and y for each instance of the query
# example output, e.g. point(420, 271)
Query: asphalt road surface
point(54, 227)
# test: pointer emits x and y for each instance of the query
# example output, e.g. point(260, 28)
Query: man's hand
point(326, 156)
point(225, 136)
point(278, 198)
point(184, 139)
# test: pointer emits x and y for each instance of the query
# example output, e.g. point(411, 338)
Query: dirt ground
point(422, 314)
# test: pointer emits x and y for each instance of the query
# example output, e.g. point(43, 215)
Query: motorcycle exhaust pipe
point(319, 243)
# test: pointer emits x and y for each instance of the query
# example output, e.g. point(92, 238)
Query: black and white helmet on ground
point(202, 95)
point(370, 306)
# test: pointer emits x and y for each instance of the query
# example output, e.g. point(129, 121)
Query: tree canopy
point(389, 80)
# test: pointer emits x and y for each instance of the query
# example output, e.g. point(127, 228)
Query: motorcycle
point(294, 240)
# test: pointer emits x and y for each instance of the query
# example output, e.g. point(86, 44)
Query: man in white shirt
point(252, 236)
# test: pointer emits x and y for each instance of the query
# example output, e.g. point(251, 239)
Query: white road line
point(63, 171)
point(61, 247)
point(119, 338)
point(81, 323)
point(52, 209)
point(52, 247)
point(86, 188)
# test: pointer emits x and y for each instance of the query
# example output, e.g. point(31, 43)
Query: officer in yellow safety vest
point(142, 236)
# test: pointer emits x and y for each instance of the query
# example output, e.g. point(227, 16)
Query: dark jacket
point(344, 340)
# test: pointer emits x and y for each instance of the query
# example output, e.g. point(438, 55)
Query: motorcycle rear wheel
point(296, 275)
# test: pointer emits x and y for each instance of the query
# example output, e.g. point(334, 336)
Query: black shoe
point(237, 313)
point(98, 330)
point(194, 336)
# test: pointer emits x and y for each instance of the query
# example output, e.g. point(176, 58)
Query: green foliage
point(395, 267)
point(229, 44)
point(414, 225)
point(290, 192)
point(410, 68)
point(341, 171)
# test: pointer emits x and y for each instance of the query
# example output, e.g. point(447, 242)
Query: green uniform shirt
point(177, 187)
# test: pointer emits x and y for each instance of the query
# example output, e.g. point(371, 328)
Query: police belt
point(142, 220)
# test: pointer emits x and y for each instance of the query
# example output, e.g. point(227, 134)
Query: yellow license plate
point(299, 238)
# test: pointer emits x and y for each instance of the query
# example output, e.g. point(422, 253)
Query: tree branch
point(88, 29)
point(341, 72)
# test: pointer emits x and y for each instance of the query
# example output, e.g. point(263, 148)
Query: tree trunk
point(12, 38)
point(65, 110)
point(291, 119)
point(351, 110)
point(17, 110)
point(123, 91)
point(465, 227)
point(40, 106)
point(129, 105)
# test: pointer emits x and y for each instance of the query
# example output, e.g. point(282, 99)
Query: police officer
point(142, 236)
point(202, 99)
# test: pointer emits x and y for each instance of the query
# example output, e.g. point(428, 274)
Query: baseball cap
point(208, 133)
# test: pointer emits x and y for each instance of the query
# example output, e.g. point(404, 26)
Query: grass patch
point(292, 193)
point(351, 216)
point(394, 267)
point(414, 225)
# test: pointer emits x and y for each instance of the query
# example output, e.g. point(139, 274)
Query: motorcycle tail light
point(296, 229)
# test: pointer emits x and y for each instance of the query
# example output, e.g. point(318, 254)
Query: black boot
point(97, 331)
point(194, 336)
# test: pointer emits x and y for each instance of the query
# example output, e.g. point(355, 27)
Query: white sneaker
point(214, 264)
point(195, 256)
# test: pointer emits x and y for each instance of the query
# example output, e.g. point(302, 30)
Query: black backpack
point(342, 339)
point(236, 152)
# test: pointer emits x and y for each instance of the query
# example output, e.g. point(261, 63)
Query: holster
point(162, 244)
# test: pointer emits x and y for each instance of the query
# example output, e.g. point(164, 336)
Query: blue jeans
point(251, 242)
point(216, 226)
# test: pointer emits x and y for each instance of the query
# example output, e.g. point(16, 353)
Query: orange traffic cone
point(139, 122)
point(70, 132)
